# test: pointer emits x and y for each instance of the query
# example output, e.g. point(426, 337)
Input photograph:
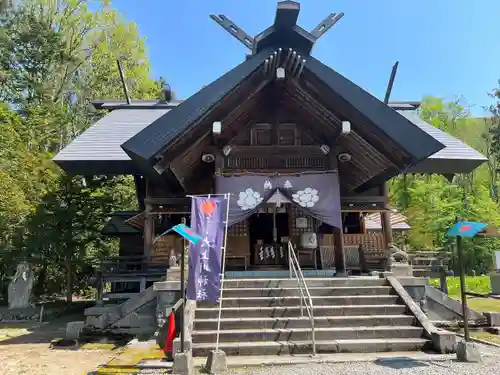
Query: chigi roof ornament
point(284, 33)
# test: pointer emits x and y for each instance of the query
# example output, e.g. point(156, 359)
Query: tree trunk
point(69, 280)
point(69, 245)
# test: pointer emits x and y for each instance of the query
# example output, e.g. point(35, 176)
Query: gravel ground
point(386, 367)
point(490, 366)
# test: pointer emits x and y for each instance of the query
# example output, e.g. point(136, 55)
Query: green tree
point(55, 58)
point(432, 203)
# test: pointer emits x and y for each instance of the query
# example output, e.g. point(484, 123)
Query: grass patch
point(10, 332)
point(98, 346)
point(486, 336)
point(483, 304)
point(19, 325)
point(477, 284)
point(133, 355)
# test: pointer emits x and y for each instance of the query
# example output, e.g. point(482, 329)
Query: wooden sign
point(301, 222)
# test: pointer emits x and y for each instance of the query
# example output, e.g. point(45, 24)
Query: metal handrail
point(294, 268)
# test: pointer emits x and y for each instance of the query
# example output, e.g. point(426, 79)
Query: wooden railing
point(131, 265)
point(429, 261)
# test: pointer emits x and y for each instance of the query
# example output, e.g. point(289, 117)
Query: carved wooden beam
point(233, 29)
point(326, 25)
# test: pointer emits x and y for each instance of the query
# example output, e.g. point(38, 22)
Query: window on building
point(287, 135)
point(261, 135)
point(352, 223)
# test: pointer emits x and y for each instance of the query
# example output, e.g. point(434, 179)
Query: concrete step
point(304, 322)
point(277, 274)
point(311, 282)
point(317, 300)
point(294, 311)
point(322, 346)
point(304, 334)
point(314, 291)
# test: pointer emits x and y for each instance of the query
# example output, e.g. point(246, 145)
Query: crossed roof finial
point(284, 32)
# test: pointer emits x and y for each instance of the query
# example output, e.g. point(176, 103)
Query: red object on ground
point(168, 348)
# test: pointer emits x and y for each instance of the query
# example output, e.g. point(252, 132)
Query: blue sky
point(446, 48)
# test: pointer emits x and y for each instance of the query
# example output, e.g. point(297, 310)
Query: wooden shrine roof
point(165, 140)
point(397, 220)
point(98, 149)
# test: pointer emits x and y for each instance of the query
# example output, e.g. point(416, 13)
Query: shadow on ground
point(399, 363)
point(31, 332)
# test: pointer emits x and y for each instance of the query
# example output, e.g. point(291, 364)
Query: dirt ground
point(24, 350)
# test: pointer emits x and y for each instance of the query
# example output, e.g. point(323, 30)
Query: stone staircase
point(136, 315)
point(262, 317)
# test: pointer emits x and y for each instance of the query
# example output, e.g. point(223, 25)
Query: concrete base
point(492, 318)
point(444, 342)
point(177, 345)
point(468, 352)
point(495, 282)
point(401, 269)
point(216, 362)
point(183, 363)
point(73, 330)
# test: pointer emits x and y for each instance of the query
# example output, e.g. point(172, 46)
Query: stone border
point(451, 304)
point(480, 341)
point(275, 361)
point(443, 341)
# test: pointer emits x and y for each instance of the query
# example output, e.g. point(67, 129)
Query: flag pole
point(223, 254)
point(183, 288)
point(461, 270)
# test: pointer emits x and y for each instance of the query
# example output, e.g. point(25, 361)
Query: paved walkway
point(131, 361)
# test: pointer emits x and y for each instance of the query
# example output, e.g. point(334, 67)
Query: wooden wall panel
point(238, 242)
point(131, 245)
point(372, 242)
point(164, 245)
point(312, 224)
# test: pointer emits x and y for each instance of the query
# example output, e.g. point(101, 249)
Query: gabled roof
point(455, 157)
point(360, 107)
point(116, 225)
point(133, 138)
point(150, 141)
point(398, 221)
point(98, 149)
point(93, 154)
point(338, 95)
point(285, 45)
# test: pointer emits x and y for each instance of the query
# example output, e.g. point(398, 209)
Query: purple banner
point(208, 217)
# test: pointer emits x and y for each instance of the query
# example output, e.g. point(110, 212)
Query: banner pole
point(183, 288)
point(223, 254)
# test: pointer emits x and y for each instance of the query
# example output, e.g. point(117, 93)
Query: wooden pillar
point(149, 224)
point(148, 230)
point(385, 219)
point(338, 242)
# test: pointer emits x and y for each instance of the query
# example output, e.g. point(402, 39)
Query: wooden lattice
point(295, 212)
point(239, 229)
point(372, 244)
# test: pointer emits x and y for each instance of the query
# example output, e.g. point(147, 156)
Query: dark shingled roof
point(84, 155)
point(455, 157)
point(116, 224)
point(98, 149)
point(151, 140)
